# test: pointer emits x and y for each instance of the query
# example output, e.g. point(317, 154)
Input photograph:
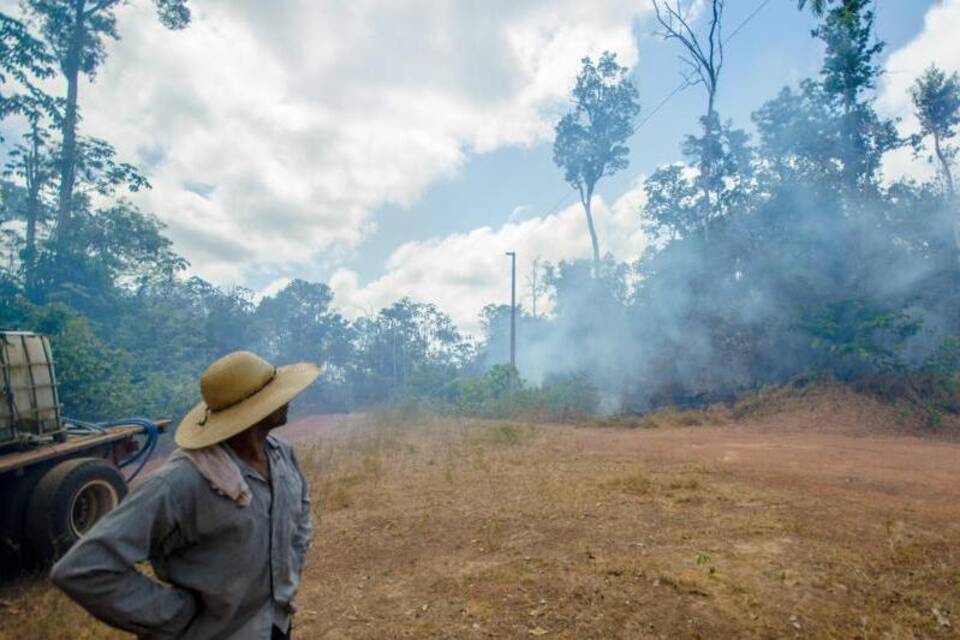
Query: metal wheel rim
point(93, 501)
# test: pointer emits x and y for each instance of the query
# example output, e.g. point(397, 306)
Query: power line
point(559, 203)
point(638, 123)
point(686, 80)
point(750, 17)
point(680, 87)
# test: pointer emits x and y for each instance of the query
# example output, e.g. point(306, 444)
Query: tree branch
point(685, 34)
point(103, 4)
point(706, 64)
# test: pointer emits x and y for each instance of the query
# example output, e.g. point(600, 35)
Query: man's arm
point(100, 572)
point(303, 534)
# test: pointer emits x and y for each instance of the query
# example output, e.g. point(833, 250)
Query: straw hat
point(239, 390)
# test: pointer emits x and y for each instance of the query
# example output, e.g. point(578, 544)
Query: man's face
point(276, 419)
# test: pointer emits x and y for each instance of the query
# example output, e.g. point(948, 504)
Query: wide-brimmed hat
point(239, 390)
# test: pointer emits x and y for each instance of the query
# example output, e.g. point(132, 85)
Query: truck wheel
point(68, 501)
point(13, 519)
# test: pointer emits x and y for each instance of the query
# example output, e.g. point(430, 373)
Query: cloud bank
point(463, 272)
point(270, 130)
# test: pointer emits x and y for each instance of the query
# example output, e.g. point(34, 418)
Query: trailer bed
point(74, 444)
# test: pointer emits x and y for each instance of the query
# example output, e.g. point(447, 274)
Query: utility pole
point(513, 316)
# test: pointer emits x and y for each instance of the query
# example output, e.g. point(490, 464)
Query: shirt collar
point(245, 468)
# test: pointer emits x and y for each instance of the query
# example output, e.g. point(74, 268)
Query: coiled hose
point(142, 455)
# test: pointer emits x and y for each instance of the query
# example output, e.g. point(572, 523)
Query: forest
point(779, 255)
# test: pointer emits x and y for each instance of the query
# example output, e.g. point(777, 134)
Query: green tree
point(798, 133)
point(591, 140)
point(113, 250)
point(936, 98)
point(850, 69)
point(24, 60)
point(93, 377)
point(32, 164)
point(400, 343)
point(677, 203)
point(816, 6)
point(299, 323)
point(99, 236)
point(76, 30)
point(293, 316)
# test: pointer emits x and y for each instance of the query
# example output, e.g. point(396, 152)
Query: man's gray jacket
point(232, 571)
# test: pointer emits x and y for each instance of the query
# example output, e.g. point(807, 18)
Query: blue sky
point(398, 149)
point(773, 49)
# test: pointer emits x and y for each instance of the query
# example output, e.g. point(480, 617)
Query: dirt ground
point(786, 524)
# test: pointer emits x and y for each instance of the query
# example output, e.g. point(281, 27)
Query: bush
point(932, 388)
point(853, 338)
point(566, 397)
point(92, 378)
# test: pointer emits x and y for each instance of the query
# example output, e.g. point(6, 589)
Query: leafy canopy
point(590, 140)
point(936, 97)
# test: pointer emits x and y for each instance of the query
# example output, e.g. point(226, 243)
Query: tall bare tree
point(535, 284)
point(704, 55)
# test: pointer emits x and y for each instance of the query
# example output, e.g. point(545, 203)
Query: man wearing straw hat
point(225, 522)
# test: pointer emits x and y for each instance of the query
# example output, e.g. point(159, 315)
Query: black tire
point(68, 501)
point(15, 555)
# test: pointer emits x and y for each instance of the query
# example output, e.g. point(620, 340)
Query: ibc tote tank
point(29, 405)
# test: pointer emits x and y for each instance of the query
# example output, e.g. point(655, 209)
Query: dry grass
point(468, 529)
point(807, 406)
point(33, 609)
point(713, 415)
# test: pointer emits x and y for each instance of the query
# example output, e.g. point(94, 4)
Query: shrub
point(566, 397)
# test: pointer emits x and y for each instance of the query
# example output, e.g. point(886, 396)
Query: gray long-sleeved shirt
point(233, 571)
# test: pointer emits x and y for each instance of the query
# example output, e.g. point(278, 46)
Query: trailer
point(58, 476)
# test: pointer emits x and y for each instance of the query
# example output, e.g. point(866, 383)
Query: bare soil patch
point(470, 529)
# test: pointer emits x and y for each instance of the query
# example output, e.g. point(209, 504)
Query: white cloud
point(519, 211)
point(463, 272)
point(936, 43)
point(270, 130)
point(274, 288)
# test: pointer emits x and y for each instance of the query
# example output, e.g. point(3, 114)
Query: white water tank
point(29, 405)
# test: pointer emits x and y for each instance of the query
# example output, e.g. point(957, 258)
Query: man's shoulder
point(176, 474)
